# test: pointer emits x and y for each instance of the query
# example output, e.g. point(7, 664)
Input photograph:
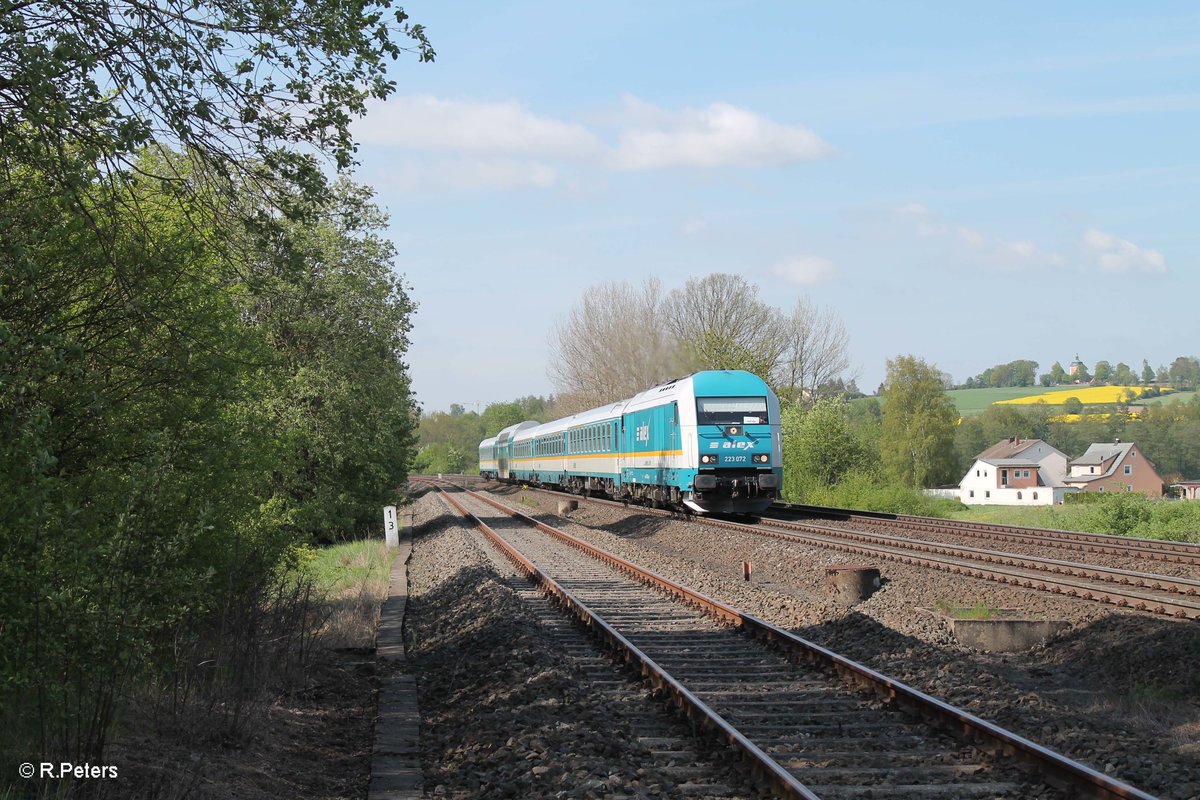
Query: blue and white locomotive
point(709, 441)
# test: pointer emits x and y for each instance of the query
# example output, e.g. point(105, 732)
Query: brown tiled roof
point(1007, 448)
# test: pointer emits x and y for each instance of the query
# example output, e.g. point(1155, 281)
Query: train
point(708, 442)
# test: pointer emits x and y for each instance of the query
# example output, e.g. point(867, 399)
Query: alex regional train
point(709, 441)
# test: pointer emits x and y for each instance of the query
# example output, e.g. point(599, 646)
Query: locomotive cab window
point(731, 411)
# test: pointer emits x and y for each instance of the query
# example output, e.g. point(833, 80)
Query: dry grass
point(354, 580)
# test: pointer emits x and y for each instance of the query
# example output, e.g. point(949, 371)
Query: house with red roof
point(1116, 467)
point(1016, 471)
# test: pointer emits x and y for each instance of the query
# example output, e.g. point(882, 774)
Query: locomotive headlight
point(705, 459)
point(764, 458)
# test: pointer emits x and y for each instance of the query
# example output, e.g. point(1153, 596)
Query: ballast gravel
point(1118, 690)
point(504, 713)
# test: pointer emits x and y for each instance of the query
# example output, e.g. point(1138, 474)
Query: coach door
point(502, 457)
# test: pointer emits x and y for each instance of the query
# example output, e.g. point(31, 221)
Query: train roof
point(719, 383)
point(511, 431)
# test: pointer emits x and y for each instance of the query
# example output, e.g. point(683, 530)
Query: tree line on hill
point(201, 352)
point(1183, 374)
point(872, 452)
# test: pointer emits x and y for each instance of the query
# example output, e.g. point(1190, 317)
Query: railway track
point(811, 723)
point(692, 769)
point(1100, 543)
point(1167, 595)
point(1159, 594)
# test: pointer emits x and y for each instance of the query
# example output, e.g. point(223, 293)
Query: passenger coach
point(709, 441)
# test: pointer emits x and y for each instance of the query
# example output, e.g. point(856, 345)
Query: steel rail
point(1035, 578)
point(1106, 543)
point(1078, 777)
point(1113, 595)
point(1146, 580)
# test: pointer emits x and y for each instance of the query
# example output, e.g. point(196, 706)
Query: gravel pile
point(1118, 691)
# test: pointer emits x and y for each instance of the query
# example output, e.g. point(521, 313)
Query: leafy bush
point(861, 490)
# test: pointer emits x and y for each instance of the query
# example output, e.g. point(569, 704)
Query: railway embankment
point(1116, 690)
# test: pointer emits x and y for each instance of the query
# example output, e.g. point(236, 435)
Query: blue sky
point(971, 184)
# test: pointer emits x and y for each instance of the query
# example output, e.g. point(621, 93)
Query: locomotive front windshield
point(731, 411)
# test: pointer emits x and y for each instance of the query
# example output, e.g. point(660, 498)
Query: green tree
point(1147, 372)
point(819, 445)
point(1184, 373)
point(132, 452)
point(917, 438)
point(338, 328)
point(244, 88)
point(1123, 375)
point(1103, 372)
point(498, 416)
point(1057, 373)
point(997, 422)
point(173, 418)
point(1072, 405)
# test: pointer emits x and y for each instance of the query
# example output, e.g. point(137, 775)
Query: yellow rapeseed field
point(1088, 395)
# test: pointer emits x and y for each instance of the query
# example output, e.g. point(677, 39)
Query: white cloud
point(971, 236)
point(993, 251)
point(1121, 255)
point(469, 175)
point(426, 123)
point(914, 209)
point(719, 135)
point(501, 145)
point(804, 270)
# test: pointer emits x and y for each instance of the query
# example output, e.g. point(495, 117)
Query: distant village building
point(1077, 368)
point(1016, 471)
point(1019, 471)
point(1189, 490)
point(1115, 467)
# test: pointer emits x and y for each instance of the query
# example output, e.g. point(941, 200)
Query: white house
point(1014, 472)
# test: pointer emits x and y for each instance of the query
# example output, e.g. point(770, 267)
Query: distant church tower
point(1076, 366)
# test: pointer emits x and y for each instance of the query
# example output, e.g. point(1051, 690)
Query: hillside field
point(1183, 397)
point(973, 401)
